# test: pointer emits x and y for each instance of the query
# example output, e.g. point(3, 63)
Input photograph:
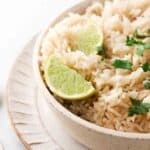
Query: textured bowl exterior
point(90, 135)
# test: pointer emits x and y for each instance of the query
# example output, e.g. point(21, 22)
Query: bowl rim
point(59, 107)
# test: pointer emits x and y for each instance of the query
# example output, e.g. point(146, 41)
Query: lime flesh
point(66, 82)
point(87, 39)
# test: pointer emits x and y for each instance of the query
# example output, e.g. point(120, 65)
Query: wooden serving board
point(33, 121)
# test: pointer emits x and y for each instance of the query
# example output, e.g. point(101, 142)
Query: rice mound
point(109, 107)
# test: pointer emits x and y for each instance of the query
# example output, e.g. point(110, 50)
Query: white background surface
point(19, 21)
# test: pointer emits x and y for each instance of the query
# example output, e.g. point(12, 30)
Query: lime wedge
point(66, 82)
point(87, 39)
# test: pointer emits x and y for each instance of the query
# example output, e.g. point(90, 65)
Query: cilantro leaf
point(147, 105)
point(147, 46)
point(123, 64)
point(138, 108)
point(147, 84)
point(135, 102)
point(140, 46)
point(140, 50)
point(131, 41)
point(146, 67)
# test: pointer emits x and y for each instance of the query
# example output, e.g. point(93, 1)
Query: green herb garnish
point(147, 84)
point(131, 41)
point(140, 50)
point(138, 108)
point(146, 67)
point(123, 64)
point(147, 46)
point(140, 45)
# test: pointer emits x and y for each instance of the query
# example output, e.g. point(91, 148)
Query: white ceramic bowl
point(89, 134)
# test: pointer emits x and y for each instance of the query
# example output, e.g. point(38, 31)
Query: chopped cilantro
point(138, 108)
point(140, 50)
point(147, 84)
point(140, 45)
point(131, 41)
point(146, 67)
point(147, 46)
point(123, 64)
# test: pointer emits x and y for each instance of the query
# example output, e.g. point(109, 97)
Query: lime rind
point(66, 82)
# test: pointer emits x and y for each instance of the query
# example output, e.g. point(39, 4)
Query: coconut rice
point(114, 86)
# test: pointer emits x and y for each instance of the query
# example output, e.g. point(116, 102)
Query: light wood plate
point(34, 123)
